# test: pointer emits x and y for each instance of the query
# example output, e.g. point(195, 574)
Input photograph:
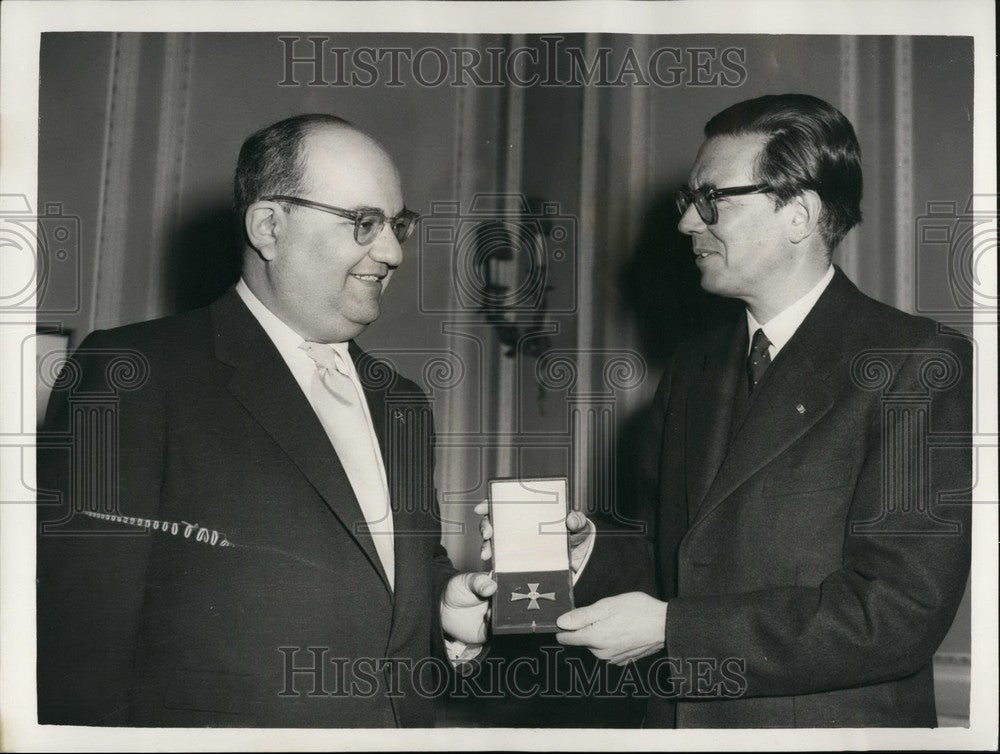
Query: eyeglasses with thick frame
point(368, 221)
point(704, 199)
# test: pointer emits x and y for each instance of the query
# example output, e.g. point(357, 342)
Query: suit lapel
point(774, 422)
point(377, 379)
point(405, 443)
point(709, 413)
point(373, 375)
point(792, 397)
point(262, 382)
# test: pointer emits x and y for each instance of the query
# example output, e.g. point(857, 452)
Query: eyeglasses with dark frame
point(368, 221)
point(704, 199)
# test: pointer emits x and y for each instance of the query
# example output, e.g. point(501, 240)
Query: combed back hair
point(809, 145)
point(270, 160)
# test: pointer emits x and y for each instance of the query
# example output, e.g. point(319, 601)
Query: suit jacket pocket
point(812, 477)
point(206, 691)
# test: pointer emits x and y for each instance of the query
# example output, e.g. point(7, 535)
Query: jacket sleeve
point(883, 613)
point(99, 470)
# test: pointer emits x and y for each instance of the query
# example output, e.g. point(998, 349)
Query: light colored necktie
point(338, 401)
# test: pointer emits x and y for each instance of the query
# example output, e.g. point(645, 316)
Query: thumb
point(469, 589)
point(482, 585)
point(576, 522)
point(579, 618)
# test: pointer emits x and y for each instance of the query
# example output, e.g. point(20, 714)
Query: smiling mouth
point(368, 278)
point(702, 254)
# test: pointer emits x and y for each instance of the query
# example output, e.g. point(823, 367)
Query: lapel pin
point(398, 416)
point(800, 408)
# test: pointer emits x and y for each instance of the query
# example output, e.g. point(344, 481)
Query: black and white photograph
point(518, 376)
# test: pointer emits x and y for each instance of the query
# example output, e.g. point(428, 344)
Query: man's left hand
point(617, 629)
point(464, 606)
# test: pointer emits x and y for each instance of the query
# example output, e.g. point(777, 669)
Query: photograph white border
point(22, 24)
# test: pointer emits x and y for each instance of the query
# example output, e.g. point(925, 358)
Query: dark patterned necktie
point(759, 358)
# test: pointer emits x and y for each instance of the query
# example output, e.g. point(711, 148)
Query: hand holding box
point(531, 557)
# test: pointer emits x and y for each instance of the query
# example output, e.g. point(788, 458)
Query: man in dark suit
point(243, 526)
point(812, 547)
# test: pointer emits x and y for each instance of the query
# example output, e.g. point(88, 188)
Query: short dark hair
point(270, 160)
point(809, 145)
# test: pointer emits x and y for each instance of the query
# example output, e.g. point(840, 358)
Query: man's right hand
point(580, 529)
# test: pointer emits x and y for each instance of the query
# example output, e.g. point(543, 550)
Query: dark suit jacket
point(813, 553)
point(196, 420)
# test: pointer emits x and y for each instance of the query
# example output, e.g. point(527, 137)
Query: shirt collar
point(780, 328)
point(285, 339)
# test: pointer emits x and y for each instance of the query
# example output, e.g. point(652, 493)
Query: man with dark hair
point(271, 161)
point(245, 529)
point(809, 145)
point(812, 549)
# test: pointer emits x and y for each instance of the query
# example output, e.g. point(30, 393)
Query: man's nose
point(691, 221)
point(386, 248)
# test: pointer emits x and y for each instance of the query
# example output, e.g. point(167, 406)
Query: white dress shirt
point(374, 503)
point(781, 327)
point(303, 368)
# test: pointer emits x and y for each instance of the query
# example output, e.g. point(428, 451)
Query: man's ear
point(264, 222)
point(805, 210)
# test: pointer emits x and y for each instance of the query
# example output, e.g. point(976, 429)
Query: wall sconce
point(512, 262)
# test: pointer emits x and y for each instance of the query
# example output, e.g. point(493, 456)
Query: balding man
point(270, 554)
